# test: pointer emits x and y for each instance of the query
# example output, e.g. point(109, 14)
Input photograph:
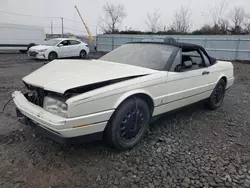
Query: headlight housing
point(55, 106)
point(43, 50)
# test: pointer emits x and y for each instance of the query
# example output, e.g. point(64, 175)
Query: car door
point(63, 49)
point(213, 72)
point(188, 84)
point(75, 47)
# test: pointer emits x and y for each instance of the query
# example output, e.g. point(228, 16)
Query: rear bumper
point(230, 82)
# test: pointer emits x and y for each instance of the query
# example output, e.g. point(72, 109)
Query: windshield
point(52, 42)
point(153, 56)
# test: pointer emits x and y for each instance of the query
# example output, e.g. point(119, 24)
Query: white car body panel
point(94, 108)
point(60, 125)
point(62, 51)
point(62, 75)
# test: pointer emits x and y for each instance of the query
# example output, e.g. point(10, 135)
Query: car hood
point(39, 47)
point(62, 75)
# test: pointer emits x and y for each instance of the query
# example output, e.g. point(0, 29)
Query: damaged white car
point(116, 96)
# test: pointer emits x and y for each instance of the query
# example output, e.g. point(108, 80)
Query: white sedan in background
point(59, 48)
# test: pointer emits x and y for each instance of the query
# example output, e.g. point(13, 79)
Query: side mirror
point(187, 64)
point(60, 45)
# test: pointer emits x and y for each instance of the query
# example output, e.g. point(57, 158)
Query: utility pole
point(51, 28)
point(62, 27)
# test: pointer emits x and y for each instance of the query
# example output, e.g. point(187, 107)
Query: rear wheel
point(52, 56)
point(83, 54)
point(217, 97)
point(23, 51)
point(129, 124)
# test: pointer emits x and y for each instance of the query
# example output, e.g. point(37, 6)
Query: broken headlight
point(55, 106)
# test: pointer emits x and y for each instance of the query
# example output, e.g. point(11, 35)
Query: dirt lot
point(192, 147)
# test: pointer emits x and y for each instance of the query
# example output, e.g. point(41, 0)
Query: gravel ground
point(191, 147)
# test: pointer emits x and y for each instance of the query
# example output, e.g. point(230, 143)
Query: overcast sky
point(91, 11)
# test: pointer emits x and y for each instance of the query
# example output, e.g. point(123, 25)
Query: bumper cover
point(60, 126)
point(37, 55)
point(54, 135)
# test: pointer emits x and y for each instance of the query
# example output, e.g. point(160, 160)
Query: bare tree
point(223, 26)
point(114, 15)
point(153, 21)
point(237, 16)
point(247, 23)
point(217, 12)
point(181, 22)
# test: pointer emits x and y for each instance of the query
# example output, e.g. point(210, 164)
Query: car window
point(65, 43)
point(206, 60)
point(195, 56)
point(153, 56)
point(187, 61)
point(74, 42)
point(177, 61)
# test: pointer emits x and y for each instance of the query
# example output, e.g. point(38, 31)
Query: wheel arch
point(53, 51)
point(138, 93)
point(30, 45)
point(86, 53)
point(224, 77)
point(49, 52)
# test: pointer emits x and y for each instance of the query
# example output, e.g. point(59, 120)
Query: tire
point(23, 51)
point(52, 56)
point(30, 45)
point(83, 54)
point(217, 97)
point(122, 131)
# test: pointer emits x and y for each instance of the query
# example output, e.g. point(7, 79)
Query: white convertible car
point(59, 48)
point(115, 96)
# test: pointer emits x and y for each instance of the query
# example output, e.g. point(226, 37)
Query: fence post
point(237, 49)
point(96, 43)
point(131, 39)
point(112, 42)
point(205, 45)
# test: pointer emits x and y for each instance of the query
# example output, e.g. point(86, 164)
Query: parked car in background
point(117, 95)
point(20, 37)
point(59, 48)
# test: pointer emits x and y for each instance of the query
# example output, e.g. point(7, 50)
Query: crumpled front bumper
point(59, 126)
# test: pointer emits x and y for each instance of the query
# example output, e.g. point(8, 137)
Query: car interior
point(65, 43)
point(190, 60)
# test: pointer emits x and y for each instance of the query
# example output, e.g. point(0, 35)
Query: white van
point(20, 37)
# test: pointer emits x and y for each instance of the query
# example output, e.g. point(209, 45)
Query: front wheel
point(129, 124)
point(217, 97)
point(52, 56)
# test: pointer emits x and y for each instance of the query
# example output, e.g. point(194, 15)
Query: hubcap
point(82, 54)
point(52, 56)
point(132, 124)
point(219, 94)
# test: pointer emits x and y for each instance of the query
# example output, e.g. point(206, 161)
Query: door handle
point(205, 72)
